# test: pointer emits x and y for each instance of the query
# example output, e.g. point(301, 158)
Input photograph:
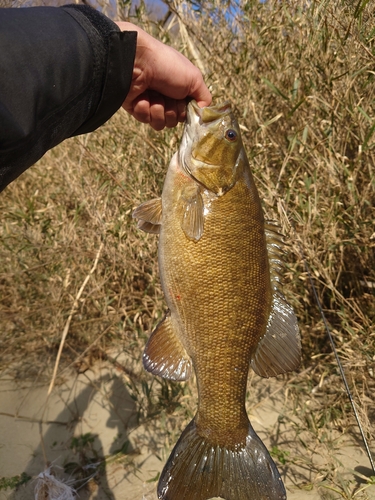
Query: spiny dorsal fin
point(148, 215)
point(193, 213)
point(164, 355)
point(279, 350)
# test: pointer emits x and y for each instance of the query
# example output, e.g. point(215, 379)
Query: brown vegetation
point(301, 78)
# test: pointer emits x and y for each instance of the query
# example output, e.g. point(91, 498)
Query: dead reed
point(301, 77)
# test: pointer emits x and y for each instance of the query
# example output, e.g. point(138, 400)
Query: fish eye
point(231, 135)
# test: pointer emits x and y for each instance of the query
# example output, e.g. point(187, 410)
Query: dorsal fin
point(164, 355)
point(279, 350)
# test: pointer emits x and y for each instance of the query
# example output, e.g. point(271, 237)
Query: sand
point(98, 402)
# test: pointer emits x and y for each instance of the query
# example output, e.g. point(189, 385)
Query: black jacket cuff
point(118, 68)
point(65, 71)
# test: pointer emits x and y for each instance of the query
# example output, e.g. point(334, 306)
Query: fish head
point(211, 149)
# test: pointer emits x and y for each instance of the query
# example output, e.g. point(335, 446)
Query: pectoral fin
point(164, 355)
point(148, 227)
point(148, 215)
point(279, 350)
point(193, 214)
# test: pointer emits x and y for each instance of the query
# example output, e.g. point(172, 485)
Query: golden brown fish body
point(220, 290)
point(219, 264)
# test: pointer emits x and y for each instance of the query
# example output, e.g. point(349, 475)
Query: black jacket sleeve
point(63, 72)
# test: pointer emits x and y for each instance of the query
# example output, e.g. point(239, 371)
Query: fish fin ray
point(148, 227)
point(198, 470)
point(279, 350)
point(149, 215)
point(164, 355)
point(150, 211)
point(192, 222)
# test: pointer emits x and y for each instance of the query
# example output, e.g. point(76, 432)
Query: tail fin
point(198, 470)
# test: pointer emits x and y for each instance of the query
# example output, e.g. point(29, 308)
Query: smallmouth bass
point(220, 266)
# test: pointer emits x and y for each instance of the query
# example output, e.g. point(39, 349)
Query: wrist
point(126, 26)
point(142, 36)
point(145, 52)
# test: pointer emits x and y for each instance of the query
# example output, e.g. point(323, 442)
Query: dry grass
point(301, 78)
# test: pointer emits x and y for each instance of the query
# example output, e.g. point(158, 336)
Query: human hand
point(162, 80)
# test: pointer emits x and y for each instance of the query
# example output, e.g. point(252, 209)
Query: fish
point(221, 266)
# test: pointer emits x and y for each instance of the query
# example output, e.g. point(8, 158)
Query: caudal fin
point(197, 470)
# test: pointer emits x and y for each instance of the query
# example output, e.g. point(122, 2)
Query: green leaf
point(14, 482)
point(275, 89)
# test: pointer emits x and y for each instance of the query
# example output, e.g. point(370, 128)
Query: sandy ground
point(98, 402)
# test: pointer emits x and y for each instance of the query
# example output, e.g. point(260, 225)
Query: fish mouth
point(200, 116)
point(196, 117)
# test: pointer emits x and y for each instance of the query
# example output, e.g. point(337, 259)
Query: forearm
point(64, 71)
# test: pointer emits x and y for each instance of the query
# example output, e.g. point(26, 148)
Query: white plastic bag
point(49, 487)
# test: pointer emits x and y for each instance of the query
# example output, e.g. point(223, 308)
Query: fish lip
point(193, 117)
point(201, 163)
point(207, 114)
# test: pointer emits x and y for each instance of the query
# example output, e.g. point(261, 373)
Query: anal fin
point(164, 355)
point(149, 215)
point(148, 227)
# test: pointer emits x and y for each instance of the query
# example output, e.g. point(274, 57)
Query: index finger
point(201, 94)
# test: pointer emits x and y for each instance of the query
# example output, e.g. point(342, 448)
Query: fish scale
point(220, 266)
